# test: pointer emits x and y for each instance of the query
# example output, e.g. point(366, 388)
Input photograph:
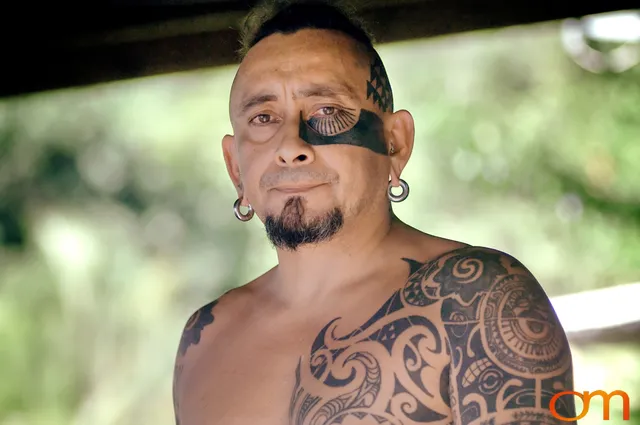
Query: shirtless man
point(365, 320)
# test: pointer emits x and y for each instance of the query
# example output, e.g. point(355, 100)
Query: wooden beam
point(74, 47)
point(607, 315)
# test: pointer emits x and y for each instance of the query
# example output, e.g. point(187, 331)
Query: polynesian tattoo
point(191, 334)
point(367, 132)
point(495, 355)
point(344, 128)
point(378, 85)
point(330, 125)
point(193, 329)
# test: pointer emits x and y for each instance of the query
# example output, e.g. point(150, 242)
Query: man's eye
point(261, 119)
point(328, 110)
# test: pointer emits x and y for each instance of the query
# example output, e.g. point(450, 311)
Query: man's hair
point(288, 16)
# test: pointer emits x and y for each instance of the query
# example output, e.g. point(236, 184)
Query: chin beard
point(289, 230)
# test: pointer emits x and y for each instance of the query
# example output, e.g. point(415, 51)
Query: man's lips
point(297, 188)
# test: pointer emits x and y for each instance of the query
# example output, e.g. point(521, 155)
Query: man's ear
point(230, 159)
point(400, 138)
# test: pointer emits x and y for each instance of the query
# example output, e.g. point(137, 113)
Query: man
point(364, 320)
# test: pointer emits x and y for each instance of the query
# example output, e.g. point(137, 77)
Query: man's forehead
point(308, 58)
point(309, 44)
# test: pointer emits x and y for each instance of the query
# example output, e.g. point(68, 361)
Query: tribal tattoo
point(378, 85)
point(494, 353)
point(332, 124)
point(193, 329)
point(344, 127)
point(366, 132)
point(202, 318)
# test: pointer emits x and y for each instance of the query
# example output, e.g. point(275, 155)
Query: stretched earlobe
point(239, 215)
point(402, 196)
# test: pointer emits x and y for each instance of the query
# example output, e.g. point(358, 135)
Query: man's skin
point(380, 324)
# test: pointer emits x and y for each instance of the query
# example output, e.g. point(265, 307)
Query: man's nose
point(293, 151)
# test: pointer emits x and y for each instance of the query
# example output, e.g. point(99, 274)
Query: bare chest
point(391, 367)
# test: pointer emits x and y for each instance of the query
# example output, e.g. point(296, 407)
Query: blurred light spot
point(155, 178)
point(615, 27)
point(600, 169)
point(486, 136)
point(164, 229)
point(466, 164)
point(103, 167)
point(569, 208)
point(495, 169)
point(71, 246)
point(621, 28)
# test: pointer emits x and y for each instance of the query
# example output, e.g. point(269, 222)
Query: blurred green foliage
point(116, 219)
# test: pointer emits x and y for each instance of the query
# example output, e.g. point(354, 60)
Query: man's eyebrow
point(322, 90)
point(315, 90)
point(257, 99)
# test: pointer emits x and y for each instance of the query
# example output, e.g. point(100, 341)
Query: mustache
point(296, 175)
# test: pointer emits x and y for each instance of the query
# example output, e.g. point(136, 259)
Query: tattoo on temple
point(378, 85)
point(497, 347)
point(202, 318)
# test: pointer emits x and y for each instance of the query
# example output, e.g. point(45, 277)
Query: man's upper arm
point(509, 353)
point(189, 339)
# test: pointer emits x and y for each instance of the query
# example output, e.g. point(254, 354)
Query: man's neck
point(313, 271)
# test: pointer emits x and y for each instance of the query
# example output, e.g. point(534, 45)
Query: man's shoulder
point(473, 260)
point(464, 274)
point(203, 319)
point(216, 313)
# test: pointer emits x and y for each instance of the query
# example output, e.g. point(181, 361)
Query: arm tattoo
point(509, 351)
point(190, 337)
point(194, 327)
point(496, 356)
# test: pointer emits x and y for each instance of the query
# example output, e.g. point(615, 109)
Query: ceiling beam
point(47, 50)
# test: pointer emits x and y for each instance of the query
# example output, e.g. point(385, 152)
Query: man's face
point(309, 150)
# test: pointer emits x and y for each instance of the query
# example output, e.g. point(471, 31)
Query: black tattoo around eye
point(194, 327)
point(378, 85)
point(368, 132)
point(330, 125)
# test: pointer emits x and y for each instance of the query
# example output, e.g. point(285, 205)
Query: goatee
point(290, 231)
